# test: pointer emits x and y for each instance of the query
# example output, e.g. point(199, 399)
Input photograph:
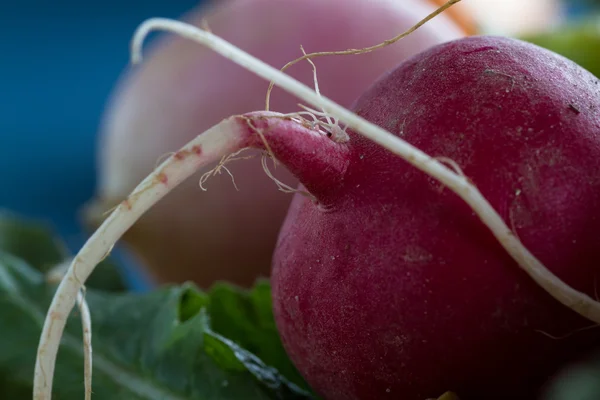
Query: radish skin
point(398, 285)
point(227, 137)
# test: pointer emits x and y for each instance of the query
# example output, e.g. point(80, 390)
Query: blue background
point(58, 63)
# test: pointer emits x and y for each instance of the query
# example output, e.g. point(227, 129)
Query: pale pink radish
point(182, 89)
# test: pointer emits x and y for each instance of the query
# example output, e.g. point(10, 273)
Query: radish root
point(452, 164)
point(364, 50)
point(280, 185)
point(225, 138)
point(86, 325)
point(55, 275)
point(221, 166)
point(331, 124)
point(569, 334)
point(209, 147)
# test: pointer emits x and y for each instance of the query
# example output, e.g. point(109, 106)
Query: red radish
point(182, 90)
point(391, 287)
point(365, 204)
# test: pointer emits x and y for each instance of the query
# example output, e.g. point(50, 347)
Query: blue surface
point(58, 63)
point(578, 9)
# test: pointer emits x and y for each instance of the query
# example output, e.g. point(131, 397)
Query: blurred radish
point(182, 89)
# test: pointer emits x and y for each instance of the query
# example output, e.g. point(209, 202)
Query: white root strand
point(221, 139)
point(86, 325)
point(148, 193)
point(55, 275)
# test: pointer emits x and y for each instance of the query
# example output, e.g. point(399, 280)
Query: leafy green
point(37, 244)
point(173, 343)
point(578, 42)
point(31, 242)
point(247, 319)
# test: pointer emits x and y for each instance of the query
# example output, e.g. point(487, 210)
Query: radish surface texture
point(183, 89)
point(390, 287)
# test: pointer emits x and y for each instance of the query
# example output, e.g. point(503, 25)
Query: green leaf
point(37, 244)
point(246, 318)
point(578, 42)
point(174, 343)
point(448, 396)
point(32, 242)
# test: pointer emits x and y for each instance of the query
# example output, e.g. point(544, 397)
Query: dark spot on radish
point(197, 150)
point(479, 50)
point(180, 155)
point(415, 254)
point(162, 178)
point(574, 108)
point(127, 204)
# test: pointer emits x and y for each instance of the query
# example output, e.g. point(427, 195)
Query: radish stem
point(86, 325)
point(55, 275)
point(211, 146)
point(229, 136)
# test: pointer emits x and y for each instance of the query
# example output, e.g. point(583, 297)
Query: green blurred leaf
point(448, 396)
point(578, 42)
point(37, 244)
point(32, 242)
point(246, 319)
point(142, 347)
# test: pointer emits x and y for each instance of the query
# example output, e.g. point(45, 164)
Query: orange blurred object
point(461, 14)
